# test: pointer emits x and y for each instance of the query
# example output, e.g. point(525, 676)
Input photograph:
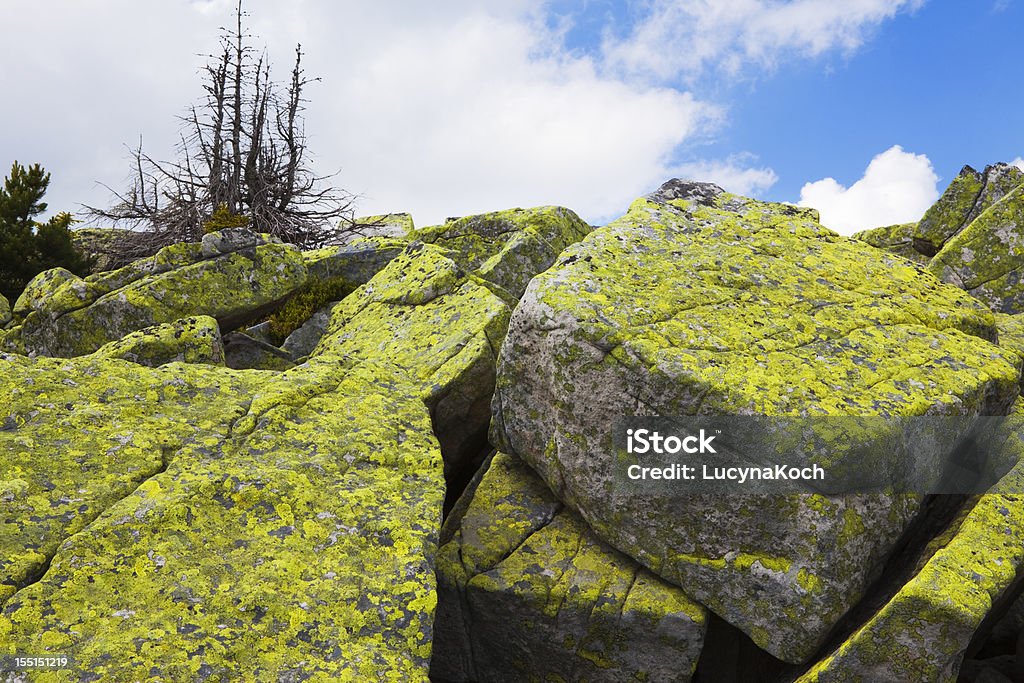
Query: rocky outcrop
point(528, 592)
point(704, 302)
point(191, 559)
point(232, 278)
point(5, 311)
point(969, 195)
point(985, 258)
point(243, 352)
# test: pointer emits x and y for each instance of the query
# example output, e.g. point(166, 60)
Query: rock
point(5, 311)
point(260, 332)
point(966, 198)
point(921, 634)
point(232, 288)
point(242, 352)
point(724, 305)
point(77, 436)
point(985, 257)
point(230, 240)
point(189, 340)
point(109, 248)
point(43, 288)
point(302, 341)
point(356, 263)
point(507, 247)
point(527, 592)
point(898, 239)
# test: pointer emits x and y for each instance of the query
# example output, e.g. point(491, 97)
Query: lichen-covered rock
point(527, 592)
point(189, 340)
point(355, 262)
point(898, 239)
point(78, 435)
point(967, 197)
point(709, 303)
point(231, 240)
point(43, 288)
point(986, 257)
point(921, 634)
point(440, 330)
point(507, 247)
point(231, 288)
point(243, 352)
point(298, 544)
point(5, 311)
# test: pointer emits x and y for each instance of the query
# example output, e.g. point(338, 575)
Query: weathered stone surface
point(5, 311)
point(967, 197)
point(302, 341)
point(922, 632)
point(243, 352)
point(987, 256)
point(507, 247)
point(714, 304)
point(102, 245)
point(189, 340)
point(527, 592)
point(231, 288)
point(898, 239)
point(76, 436)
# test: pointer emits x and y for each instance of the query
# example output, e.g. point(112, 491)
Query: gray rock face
point(41, 290)
point(527, 592)
point(732, 306)
point(356, 263)
point(232, 240)
point(242, 352)
point(302, 341)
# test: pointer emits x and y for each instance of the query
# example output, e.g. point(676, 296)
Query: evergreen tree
point(27, 246)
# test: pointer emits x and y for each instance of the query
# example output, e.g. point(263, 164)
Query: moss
point(303, 304)
point(949, 214)
point(224, 218)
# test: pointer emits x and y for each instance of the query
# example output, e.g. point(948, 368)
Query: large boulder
point(698, 301)
point(969, 195)
point(80, 316)
point(528, 592)
point(5, 311)
point(986, 257)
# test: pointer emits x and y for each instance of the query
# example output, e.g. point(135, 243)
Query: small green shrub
point(304, 304)
point(224, 218)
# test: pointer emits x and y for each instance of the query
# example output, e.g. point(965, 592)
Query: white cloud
point(435, 108)
point(685, 37)
point(734, 174)
point(1018, 162)
point(897, 187)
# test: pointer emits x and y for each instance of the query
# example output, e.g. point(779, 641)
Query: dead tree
point(243, 148)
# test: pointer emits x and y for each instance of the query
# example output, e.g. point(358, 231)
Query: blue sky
point(864, 109)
